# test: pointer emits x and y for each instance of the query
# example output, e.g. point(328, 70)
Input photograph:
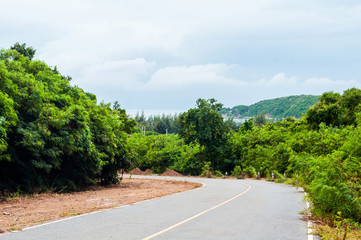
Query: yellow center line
point(197, 215)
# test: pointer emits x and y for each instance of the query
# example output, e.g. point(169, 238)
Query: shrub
point(206, 170)
point(237, 172)
point(218, 173)
point(250, 172)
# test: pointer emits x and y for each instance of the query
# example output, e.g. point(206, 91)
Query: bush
point(218, 173)
point(250, 172)
point(161, 152)
point(237, 172)
point(206, 170)
point(278, 175)
point(335, 186)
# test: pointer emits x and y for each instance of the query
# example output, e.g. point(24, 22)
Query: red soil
point(136, 171)
point(172, 173)
point(148, 172)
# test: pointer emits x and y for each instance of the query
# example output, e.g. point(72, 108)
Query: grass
point(15, 228)
point(334, 227)
point(76, 213)
point(69, 213)
point(39, 220)
point(17, 195)
point(64, 214)
point(281, 180)
point(13, 196)
point(332, 233)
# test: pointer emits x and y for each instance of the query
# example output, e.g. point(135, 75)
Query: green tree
point(260, 120)
point(22, 49)
point(335, 110)
point(205, 126)
point(350, 101)
point(160, 152)
point(54, 135)
point(158, 123)
point(327, 111)
point(247, 125)
point(232, 124)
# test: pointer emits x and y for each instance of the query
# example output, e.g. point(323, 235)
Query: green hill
point(276, 108)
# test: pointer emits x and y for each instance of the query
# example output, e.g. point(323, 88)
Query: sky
point(165, 54)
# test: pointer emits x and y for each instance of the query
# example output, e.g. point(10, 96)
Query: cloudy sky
point(164, 54)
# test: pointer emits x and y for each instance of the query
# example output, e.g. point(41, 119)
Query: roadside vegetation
point(54, 136)
point(321, 153)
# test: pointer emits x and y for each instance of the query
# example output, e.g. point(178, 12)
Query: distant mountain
point(292, 106)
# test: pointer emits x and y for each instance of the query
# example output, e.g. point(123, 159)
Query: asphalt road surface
point(222, 209)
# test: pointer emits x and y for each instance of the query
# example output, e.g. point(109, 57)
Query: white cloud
point(279, 79)
point(325, 84)
point(197, 75)
point(211, 75)
point(325, 81)
point(92, 43)
point(124, 74)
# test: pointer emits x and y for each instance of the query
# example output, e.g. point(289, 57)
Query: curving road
point(222, 209)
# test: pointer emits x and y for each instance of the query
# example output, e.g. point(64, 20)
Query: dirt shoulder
point(24, 211)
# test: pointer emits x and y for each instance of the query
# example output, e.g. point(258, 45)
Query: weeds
point(14, 195)
point(237, 172)
point(206, 170)
point(69, 213)
point(15, 228)
point(330, 233)
point(39, 220)
point(337, 228)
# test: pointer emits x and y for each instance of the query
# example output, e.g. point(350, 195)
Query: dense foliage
point(292, 106)
point(162, 152)
point(204, 125)
point(335, 109)
point(54, 135)
point(323, 157)
point(202, 138)
point(157, 124)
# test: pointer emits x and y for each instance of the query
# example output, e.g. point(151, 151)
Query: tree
point(350, 100)
point(161, 125)
point(22, 49)
point(247, 125)
point(327, 111)
point(205, 125)
point(54, 135)
point(232, 124)
point(260, 120)
point(334, 109)
point(8, 119)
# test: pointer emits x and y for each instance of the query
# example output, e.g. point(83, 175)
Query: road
point(222, 209)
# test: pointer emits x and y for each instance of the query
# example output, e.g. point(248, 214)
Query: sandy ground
point(24, 211)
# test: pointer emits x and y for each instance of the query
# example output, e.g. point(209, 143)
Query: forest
point(56, 137)
point(291, 106)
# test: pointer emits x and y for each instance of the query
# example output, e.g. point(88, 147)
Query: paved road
point(222, 209)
